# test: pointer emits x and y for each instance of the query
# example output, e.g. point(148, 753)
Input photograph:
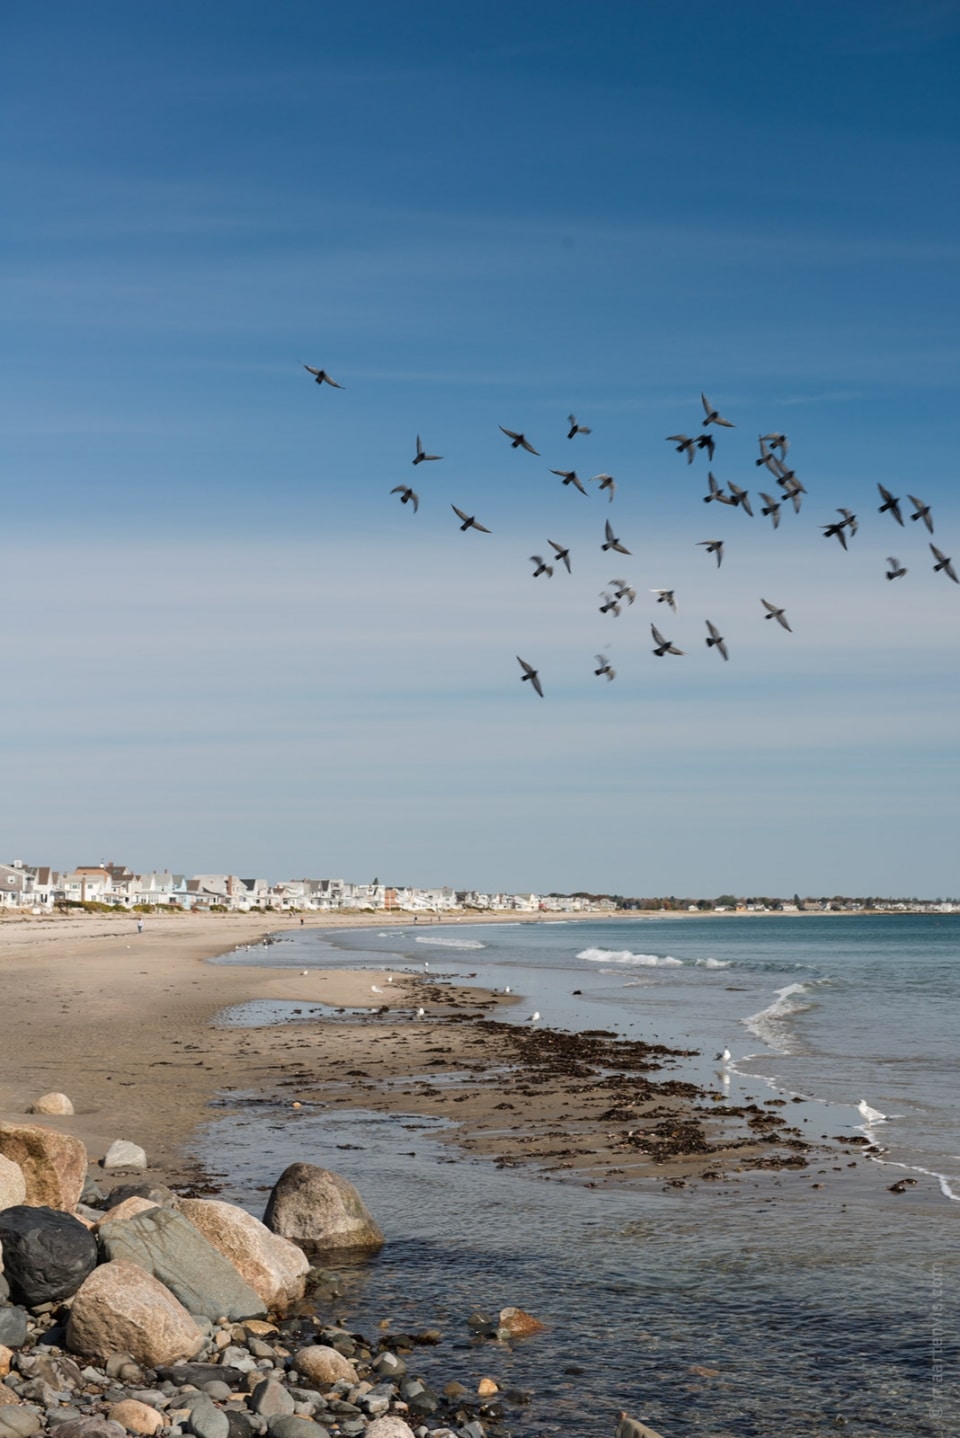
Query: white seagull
point(872, 1115)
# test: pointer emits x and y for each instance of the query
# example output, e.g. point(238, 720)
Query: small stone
point(389, 1426)
point(324, 1366)
point(6, 1358)
point(486, 1387)
point(136, 1417)
point(55, 1103)
point(124, 1154)
point(288, 1425)
point(13, 1326)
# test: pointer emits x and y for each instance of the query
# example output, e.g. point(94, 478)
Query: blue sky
point(229, 646)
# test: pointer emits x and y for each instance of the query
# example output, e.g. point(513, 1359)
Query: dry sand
point(121, 1023)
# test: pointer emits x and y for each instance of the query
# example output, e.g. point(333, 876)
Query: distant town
point(103, 887)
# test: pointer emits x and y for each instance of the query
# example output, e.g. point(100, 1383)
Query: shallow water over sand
point(802, 1304)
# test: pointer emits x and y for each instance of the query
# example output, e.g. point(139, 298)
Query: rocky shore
point(138, 1311)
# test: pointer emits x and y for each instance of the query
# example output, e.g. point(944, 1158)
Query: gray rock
point(217, 1390)
point(46, 1253)
point(13, 1326)
point(320, 1211)
point(206, 1419)
point(240, 1423)
point(124, 1154)
point(388, 1365)
point(168, 1246)
point(290, 1426)
point(94, 1426)
point(16, 1422)
point(270, 1397)
point(157, 1193)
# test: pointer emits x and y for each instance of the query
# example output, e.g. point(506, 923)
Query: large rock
point(46, 1253)
point(272, 1265)
point(324, 1366)
point(19, 1421)
point(122, 1309)
point(13, 1184)
point(94, 1426)
point(124, 1154)
point(136, 1417)
point(126, 1209)
point(628, 1427)
point(321, 1211)
point(168, 1245)
point(54, 1164)
point(52, 1103)
point(389, 1426)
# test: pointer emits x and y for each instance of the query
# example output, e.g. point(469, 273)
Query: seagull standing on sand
point(723, 1057)
point(872, 1115)
point(534, 1017)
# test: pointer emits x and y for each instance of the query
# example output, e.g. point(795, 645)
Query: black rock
point(240, 1424)
point(46, 1253)
point(13, 1326)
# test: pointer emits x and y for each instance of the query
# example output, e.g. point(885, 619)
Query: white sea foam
point(625, 956)
point(770, 1024)
point(714, 963)
point(439, 943)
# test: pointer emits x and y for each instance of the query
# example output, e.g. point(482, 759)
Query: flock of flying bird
point(774, 448)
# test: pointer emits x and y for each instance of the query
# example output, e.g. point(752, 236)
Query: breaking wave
point(449, 943)
point(625, 956)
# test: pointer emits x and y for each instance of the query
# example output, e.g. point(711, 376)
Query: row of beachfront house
point(40, 888)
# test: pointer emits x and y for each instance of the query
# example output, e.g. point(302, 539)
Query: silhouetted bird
point(716, 639)
point(530, 673)
point(562, 554)
point(321, 377)
point(468, 521)
point(623, 590)
point(610, 605)
point(570, 476)
point(707, 442)
point(664, 646)
point(666, 596)
point(835, 529)
point(713, 546)
point(740, 497)
point(577, 428)
point(421, 456)
point(849, 519)
point(890, 503)
point(896, 570)
point(922, 512)
point(713, 416)
point(685, 445)
point(518, 439)
point(542, 567)
point(716, 493)
point(604, 663)
point(944, 563)
point(407, 496)
point(771, 507)
point(605, 481)
point(612, 540)
point(774, 613)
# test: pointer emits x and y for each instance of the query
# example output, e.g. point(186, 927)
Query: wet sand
point(122, 1023)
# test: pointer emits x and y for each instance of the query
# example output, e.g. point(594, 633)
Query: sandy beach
point(121, 1022)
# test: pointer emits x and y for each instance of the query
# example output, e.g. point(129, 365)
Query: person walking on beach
point(139, 926)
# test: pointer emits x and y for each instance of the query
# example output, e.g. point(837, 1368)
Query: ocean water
point(767, 1306)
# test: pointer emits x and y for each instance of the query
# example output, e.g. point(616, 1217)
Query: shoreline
point(123, 1024)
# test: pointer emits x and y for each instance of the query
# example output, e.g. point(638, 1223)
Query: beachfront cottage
point(16, 885)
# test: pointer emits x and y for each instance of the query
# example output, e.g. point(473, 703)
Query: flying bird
point(664, 646)
point(849, 519)
point(716, 493)
point(604, 663)
point(542, 567)
point(776, 441)
point(530, 673)
point(766, 457)
point(707, 442)
point(623, 591)
point(666, 596)
point(570, 476)
point(713, 546)
point(837, 528)
point(684, 445)
point(715, 638)
point(740, 497)
point(407, 495)
point(713, 416)
point(890, 503)
point(774, 613)
point(922, 512)
point(519, 439)
point(605, 481)
point(792, 490)
point(577, 428)
point(610, 605)
point(562, 554)
point(771, 507)
point(468, 521)
point(320, 376)
point(612, 540)
point(944, 563)
point(896, 570)
point(421, 456)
